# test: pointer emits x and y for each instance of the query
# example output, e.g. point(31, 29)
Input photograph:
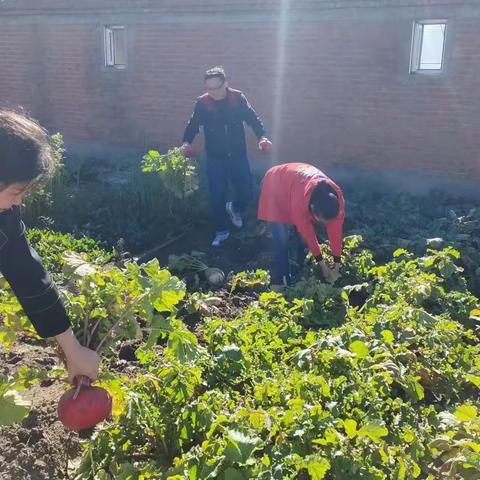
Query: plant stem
point(85, 330)
point(97, 323)
point(79, 386)
point(120, 320)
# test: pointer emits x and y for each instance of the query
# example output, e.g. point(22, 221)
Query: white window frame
point(110, 46)
point(417, 43)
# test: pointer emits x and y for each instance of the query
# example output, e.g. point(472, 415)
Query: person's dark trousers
point(281, 269)
point(281, 263)
point(241, 178)
point(298, 253)
point(219, 173)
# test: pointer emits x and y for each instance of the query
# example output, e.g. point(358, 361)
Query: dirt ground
point(246, 249)
point(40, 447)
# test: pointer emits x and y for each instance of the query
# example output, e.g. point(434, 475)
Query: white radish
point(214, 276)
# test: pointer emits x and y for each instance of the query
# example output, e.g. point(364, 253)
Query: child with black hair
point(301, 195)
point(25, 155)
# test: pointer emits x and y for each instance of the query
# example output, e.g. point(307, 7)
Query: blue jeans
point(281, 270)
point(220, 174)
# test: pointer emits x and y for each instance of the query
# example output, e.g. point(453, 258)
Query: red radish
point(84, 408)
point(265, 146)
point(190, 151)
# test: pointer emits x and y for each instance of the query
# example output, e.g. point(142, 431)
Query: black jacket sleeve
point(22, 268)
point(193, 125)
point(251, 117)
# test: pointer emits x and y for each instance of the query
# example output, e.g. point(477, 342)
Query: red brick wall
point(344, 96)
point(74, 6)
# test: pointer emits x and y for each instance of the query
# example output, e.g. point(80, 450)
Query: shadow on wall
point(381, 180)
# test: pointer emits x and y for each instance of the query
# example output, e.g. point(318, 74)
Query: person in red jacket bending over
point(301, 195)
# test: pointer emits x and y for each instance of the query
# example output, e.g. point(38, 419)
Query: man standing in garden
point(301, 195)
point(222, 111)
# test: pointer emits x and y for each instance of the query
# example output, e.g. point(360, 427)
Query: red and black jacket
point(223, 125)
point(22, 268)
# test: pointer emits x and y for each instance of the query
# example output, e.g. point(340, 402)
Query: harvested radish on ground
point(190, 264)
point(84, 408)
point(214, 276)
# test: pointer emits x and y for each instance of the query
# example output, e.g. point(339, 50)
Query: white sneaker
point(234, 216)
point(220, 237)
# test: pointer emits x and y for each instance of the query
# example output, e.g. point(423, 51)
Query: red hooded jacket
point(285, 198)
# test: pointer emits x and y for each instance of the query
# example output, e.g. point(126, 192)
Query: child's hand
point(81, 361)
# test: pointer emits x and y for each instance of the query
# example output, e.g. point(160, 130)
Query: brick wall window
point(428, 46)
point(115, 46)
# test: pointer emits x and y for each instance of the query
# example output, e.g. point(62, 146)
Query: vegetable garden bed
point(374, 377)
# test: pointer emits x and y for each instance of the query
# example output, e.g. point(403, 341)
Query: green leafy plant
point(250, 280)
point(388, 391)
point(113, 302)
point(178, 174)
point(51, 247)
point(13, 406)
